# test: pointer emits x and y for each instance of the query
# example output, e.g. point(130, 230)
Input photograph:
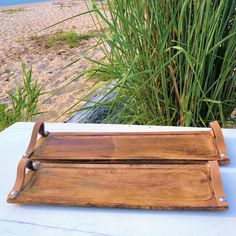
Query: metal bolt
point(27, 155)
point(222, 199)
point(35, 165)
point(14, 193)
point(223, 155)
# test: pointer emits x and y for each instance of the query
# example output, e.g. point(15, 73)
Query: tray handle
point(39, 128)
point(26, 162)
point(220, 144)
point(217, 184)
point(20, 176)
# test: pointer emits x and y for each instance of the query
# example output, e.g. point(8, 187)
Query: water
point(16, 2)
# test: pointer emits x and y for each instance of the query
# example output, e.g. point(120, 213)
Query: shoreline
point(24, 4)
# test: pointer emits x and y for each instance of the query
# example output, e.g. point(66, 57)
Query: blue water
point(16, 2)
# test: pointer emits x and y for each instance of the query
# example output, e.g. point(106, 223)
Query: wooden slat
point(168, 186)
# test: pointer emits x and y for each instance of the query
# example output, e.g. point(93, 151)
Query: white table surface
point(51, 220)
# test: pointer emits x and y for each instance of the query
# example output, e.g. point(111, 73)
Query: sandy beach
point(21, 42)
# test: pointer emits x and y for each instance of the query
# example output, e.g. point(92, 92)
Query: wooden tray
point(155, 186)
point(128, 147)
point(161, 170)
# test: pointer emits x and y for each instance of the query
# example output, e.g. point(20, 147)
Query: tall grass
point(173, 61)
point(24, 101)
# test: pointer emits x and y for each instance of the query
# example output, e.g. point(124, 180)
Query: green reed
point(173, 61)
point(24, 101)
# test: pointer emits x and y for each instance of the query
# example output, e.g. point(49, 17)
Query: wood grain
point(156, 170)
point(115, 146)
point(168, 186)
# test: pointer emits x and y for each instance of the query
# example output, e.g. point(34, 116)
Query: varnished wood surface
point(172, 186)
point(182, 146)
point(50, 220)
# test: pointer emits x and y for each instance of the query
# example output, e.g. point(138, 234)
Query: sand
point(20, 41)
